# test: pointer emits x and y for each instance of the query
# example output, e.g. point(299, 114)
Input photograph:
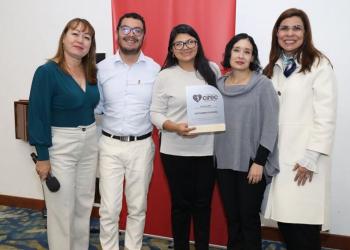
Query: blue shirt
point(57, 100)
point(125, 95)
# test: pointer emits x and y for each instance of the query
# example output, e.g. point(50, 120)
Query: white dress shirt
point(126, 93)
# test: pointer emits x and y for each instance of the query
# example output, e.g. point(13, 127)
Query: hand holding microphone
point(51, 182)
point(43, 168)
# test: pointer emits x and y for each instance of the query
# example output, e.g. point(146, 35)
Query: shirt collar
point(279, 62)
point(117, 57)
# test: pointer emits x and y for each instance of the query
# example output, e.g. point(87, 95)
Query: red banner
point(215, 23)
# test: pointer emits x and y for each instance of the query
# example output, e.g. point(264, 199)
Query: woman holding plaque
point(187, 158)
point(246, 152)
point(304, 79)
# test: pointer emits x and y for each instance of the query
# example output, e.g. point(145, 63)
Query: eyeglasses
point(136, 30)
point(294, 28)
point(189, 44)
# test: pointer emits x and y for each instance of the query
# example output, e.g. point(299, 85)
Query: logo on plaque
point(197, 98)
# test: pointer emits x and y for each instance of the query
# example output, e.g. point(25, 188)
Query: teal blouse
point(57, 100)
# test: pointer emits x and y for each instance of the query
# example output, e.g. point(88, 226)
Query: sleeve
point(324, 105)
point(309, 160)
point(99, 110)
point(159, 105)
point(261, 155)
point(268, 117)
point(269, 109)
point(39, 114)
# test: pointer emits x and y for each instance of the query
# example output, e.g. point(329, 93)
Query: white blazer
point(306, 121)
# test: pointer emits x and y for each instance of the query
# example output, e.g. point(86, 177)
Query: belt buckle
point(125, 138)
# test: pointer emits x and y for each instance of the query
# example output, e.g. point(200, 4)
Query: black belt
point(127, 138)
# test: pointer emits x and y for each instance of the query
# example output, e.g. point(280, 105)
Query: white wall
point(331, 34)
point(30, 31)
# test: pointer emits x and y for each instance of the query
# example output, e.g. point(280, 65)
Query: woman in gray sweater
point(246, 152)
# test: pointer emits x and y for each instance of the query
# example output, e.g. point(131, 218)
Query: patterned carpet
point(24, 229)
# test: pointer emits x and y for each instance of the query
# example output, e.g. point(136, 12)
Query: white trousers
point(132, 162)
point(73, 158)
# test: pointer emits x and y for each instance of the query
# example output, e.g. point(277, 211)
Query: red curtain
point(215, 23)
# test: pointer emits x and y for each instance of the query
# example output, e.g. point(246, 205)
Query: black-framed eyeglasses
point(191, 43)
point(137, 31)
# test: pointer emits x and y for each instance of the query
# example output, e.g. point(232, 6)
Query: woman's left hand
point(255, 173)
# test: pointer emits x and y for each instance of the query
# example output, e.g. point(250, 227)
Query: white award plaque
point(205, 109)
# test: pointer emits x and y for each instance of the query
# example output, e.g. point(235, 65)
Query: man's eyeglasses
point(294, 28)
point(136, 30)
point(189, 44)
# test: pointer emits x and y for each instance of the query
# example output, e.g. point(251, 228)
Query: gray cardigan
point(251, 116)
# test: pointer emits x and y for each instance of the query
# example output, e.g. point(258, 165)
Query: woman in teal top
point(56, 99)
point(62, 129)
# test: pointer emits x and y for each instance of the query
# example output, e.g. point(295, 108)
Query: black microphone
point(51, 181)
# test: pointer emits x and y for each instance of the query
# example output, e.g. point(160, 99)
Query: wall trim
point(269, 233)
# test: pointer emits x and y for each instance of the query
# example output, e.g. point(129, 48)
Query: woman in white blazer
point(305, 83)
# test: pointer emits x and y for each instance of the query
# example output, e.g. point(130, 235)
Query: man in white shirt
point(125, 81)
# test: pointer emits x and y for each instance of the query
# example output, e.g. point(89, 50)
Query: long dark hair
point(306, 53)
point(88, 61)
point(254, 65)
point(201, 63)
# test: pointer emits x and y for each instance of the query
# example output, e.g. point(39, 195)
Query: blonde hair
point(89, 60)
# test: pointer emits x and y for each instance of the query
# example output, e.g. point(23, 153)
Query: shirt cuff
point(43, 153)
point(158, 120)
point(309, 161)
point(261, 155)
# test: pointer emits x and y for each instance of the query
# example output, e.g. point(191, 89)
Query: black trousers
point(242, 202)
point(191, 182)
point(301, 236)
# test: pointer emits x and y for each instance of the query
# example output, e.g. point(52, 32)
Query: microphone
point(51, 181)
